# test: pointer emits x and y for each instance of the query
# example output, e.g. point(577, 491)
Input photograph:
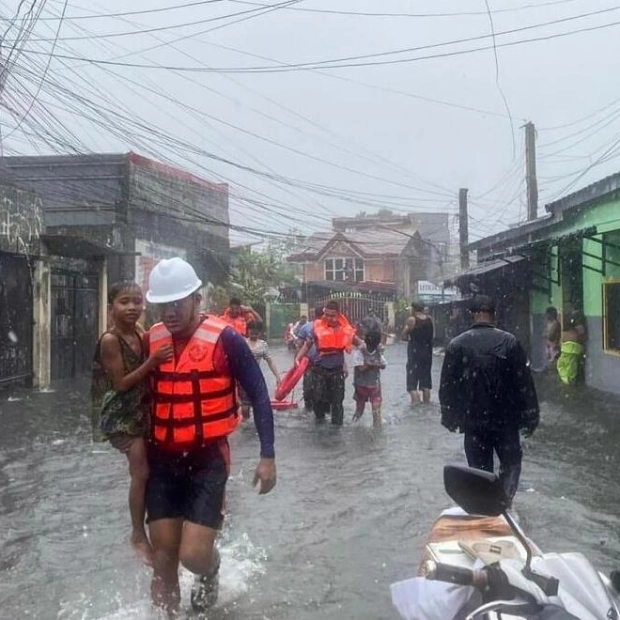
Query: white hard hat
point(172, 279)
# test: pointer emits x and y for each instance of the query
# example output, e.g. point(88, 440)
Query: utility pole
point(463, 228)
point(530, 174)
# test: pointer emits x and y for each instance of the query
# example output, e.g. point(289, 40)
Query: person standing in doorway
point(419, 331)
point(238, 316)
point(487, 393)
point(571, 361)
point(194, 410)
point(332, 335)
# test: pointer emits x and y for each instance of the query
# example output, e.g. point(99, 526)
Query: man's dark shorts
point(189, 485)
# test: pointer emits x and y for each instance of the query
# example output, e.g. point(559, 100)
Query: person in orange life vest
point(332, 336)
point(194, 410)
point(238, 316)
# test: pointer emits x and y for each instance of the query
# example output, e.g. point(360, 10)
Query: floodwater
point(348, 517)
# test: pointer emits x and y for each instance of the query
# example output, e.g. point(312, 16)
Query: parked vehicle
point(478, 564)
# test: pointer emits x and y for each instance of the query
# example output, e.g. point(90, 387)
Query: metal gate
point(75, 318)
point(355, 306)
point(15, 319)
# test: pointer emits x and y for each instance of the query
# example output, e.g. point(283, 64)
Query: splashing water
point(242, 562)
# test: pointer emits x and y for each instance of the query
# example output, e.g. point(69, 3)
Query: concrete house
point(110, 217)
point(569, 259)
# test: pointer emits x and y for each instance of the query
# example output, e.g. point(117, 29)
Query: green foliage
point(402, 309)
point(254, 273)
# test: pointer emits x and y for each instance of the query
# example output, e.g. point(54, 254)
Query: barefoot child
point(368, 364)
point(260, 351)
point(119, 396)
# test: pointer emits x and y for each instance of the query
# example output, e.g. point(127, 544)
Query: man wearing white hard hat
point(194, 410)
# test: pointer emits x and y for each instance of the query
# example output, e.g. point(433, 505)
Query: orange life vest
point(238, 323)
point(192, 401)
point(330, 340)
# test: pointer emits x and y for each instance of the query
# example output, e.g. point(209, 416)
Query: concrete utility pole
point(530, 178)
point(463, 228)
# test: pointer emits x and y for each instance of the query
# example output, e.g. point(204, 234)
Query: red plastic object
point(283, 405)
point(291, 379)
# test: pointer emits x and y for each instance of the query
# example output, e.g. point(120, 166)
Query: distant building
point(373, 258)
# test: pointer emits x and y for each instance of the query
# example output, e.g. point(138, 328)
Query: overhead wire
point(497, 80)
point(45, 71)
point(537, 5)
point(113, 35)
point(332, 63)
point(322, 159)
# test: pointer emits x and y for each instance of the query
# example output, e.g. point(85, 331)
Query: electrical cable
point(330, 64)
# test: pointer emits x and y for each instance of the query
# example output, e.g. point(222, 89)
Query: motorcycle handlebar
point(454, 574)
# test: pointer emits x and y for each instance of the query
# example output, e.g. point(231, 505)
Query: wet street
point(349, 515)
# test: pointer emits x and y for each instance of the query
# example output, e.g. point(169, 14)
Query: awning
point(485, 269)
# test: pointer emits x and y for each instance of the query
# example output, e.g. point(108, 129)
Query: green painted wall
point(606, 217)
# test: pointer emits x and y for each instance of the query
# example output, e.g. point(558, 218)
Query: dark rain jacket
point(486, 383)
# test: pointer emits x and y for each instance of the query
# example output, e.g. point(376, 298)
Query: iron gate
point(15, 319)
point(355, 306)
point(75, 323)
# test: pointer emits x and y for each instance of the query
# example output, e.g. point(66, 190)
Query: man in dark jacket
point(487, 393)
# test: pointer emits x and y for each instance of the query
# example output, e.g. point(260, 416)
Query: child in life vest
point(119, 396)
point(260, 351)
point(368, 362)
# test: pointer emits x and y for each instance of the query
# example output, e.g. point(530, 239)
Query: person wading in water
point(419, 331)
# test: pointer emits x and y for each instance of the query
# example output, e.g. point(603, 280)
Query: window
point(344, 269)
point(612, 315)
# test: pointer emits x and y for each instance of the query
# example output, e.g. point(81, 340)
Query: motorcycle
point(479, 565)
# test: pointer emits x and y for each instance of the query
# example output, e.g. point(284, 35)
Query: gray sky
point(369, 134)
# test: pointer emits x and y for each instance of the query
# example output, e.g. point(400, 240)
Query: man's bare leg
point(139, 472)
point(415, 397)
point(426, 395)
point(197, 550)
point(166, 539)
point(200, 556)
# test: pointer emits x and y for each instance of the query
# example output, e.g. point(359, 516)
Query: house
point(110, 217)
point(569, 259)
point(365, 258)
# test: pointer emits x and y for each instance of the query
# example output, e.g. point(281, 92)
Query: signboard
point(429, 293)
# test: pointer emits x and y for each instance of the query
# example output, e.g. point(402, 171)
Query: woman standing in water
point(419, 332)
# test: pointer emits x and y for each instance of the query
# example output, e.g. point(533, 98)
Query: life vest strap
point(172, 423)
point(190, 398)
point(186, 376)
point(330, 350)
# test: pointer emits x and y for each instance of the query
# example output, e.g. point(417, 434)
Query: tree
point(254, 273)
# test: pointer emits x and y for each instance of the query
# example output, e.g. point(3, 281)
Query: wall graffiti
point(21, 220)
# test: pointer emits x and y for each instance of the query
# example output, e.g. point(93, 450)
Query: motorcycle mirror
point(475, 491)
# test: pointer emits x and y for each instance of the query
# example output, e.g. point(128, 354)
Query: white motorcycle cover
point(421, 599)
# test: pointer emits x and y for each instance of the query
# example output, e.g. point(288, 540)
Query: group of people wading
point(169, 398)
